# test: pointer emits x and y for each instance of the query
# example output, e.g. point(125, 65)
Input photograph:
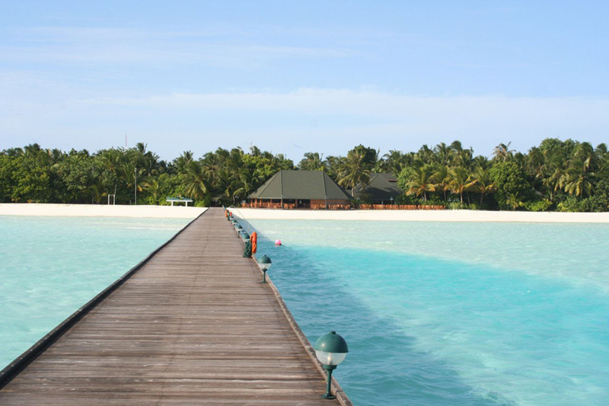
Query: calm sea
point(434, 313)
point(50, 266)
point(453, 313)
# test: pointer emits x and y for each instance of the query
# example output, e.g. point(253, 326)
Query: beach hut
point(383, 189)
point(299, 189)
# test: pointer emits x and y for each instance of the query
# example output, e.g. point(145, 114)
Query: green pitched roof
point(300, 185)
point(383, 186)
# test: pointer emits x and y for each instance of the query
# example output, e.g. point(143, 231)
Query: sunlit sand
point(93, 210)
point(424, 215)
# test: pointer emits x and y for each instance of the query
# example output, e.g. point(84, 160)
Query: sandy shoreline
point(424, 215)
point(90, 210)
point(94, 210)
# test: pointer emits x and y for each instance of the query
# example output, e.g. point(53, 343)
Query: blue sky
point(295, 77)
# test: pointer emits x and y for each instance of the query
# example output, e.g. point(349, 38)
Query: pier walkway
point(193, 326)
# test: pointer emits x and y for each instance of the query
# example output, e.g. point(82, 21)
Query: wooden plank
point(193, 326)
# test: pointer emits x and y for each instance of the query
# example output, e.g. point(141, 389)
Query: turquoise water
point(453, 313)
point(51, 266)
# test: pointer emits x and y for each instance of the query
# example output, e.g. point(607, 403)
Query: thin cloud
point(379, 104)
point(129, 46)
point(325, 120)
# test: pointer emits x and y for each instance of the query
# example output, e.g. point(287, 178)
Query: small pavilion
point(178, 200)
point(300, 189)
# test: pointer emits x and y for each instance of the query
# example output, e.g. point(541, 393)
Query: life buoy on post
point(254, 240)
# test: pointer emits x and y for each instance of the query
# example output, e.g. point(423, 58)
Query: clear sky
point(302, 76)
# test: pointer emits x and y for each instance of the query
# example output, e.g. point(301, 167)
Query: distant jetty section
point(191, 324)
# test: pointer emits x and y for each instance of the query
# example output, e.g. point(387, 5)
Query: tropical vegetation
point(556, 175)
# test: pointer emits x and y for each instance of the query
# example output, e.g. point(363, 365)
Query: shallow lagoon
point(434, 313)
point(453, 313)
point(50, 266)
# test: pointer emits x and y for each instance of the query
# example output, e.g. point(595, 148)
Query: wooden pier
point(193, 325)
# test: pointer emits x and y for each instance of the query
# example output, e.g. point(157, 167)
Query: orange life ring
point(254, 241)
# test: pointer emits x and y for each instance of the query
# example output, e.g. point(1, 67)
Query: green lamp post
point(330, 349)
point(265, 264)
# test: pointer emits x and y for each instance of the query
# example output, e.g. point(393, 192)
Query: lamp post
point(330, 349)
point(265, 264)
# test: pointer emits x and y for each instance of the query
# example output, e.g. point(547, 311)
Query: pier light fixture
point(265, 264)
point(330, 349)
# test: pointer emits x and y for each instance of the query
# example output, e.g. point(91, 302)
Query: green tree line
point(134, 175)
point(556, 175)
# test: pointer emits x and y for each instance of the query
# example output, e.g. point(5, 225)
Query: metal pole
point(328, 394)
point(135, 183)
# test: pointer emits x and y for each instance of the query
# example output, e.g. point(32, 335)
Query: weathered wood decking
point(193, 326)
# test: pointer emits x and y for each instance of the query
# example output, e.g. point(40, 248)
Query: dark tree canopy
point(556, 175)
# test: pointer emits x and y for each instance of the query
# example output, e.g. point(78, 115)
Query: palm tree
point(255, 151)
point(483, 183)
point(150, 163)
point(134, 178)
point(513, 200)
point(183, 161)
point(425, 154)
point(154, 190)
point(312, 161)
point(248, 183)
point(464, 158)
point(441, 179)
point(557, 179)
point(419, 181)
point(195, 181)
point(502, 152)
point(333, 165)
point(443, 154)
point(354, 172)
point(578, 180)
point(395, 161)
point(456, 146)
point(585, 156)
point(460, 181)
point(96, 194)
point(380, 166)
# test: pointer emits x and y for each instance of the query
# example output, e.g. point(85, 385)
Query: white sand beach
point(95, 210)
point(423, 215)
point(90, 210)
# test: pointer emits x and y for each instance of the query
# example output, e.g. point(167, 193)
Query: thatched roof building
point(300, 189)
point(383, 189)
